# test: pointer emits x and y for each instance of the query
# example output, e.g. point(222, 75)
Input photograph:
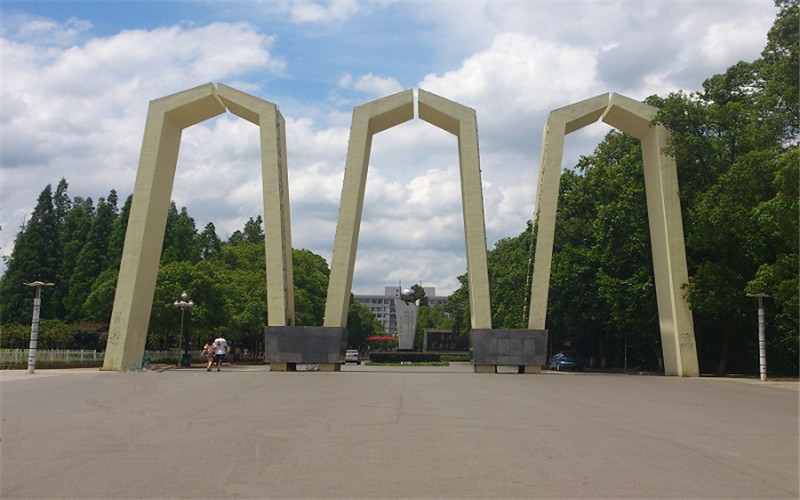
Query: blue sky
point(77, 76)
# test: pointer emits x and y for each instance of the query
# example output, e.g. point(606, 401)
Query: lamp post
point(183, 305)
point(762, 338)
point(37, 305)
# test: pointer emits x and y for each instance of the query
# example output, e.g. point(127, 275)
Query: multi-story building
point(383, 306)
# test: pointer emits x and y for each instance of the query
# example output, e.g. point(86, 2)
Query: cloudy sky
point(77, 78)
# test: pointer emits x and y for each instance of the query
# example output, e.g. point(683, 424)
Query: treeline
point(78, 246)
point(736, 146)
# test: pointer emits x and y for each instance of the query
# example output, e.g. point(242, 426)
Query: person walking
point(220, 349)
point(209, 351)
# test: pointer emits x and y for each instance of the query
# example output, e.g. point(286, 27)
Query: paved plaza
point(394, 432)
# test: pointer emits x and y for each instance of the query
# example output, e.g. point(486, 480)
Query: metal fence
point(20, 356)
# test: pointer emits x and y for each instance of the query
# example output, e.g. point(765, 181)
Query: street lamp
point(37, 305)
point(762, 338)
point(183, 305)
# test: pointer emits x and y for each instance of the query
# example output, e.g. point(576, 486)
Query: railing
point(20, 356)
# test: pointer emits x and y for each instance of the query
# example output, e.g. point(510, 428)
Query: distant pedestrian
point(220, 349)
point(209, 351)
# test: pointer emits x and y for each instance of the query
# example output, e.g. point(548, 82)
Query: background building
point(383, 308)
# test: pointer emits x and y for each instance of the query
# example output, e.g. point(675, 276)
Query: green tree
point(92, 259)
point(62, 206)
point(116, 241)
point(180, 237)
point(777, 223)
point(360, 324)
point(54, 334)
point(625, 282)
point(575, 314)
point(88, 335)
point(241, 268)
point(61, 202)
point(726, 253)
point(36, 256)
point(780, 66)
point(208, 241)
point(601, 289)
point(431, 318)
point(311, 274)
point(98, 304)
point(508, 280)
point(457, 306)
point(15, 336)
point(174, 278)
point(252, 232)
point(73, 236)
point(244, 255)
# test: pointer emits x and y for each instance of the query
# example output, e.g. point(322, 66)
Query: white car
point(352, 356)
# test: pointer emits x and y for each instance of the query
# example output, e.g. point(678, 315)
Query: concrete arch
point(377, 116)
point(664, 214)
point(166, 119)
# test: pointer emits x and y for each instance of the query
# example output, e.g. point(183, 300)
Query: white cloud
point(725, 42)
point(439, 185)
point(311, 12)
point(519, 72)
point(46, 31)
point(86, 96)
point(377, 85)
point(78, 112)
point(512, 85)
point(372, 85)
point(346, 81)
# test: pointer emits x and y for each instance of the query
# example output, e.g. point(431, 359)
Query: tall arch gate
point(526, 349)
point(166, 119)
point(288, 345)
point(663, 209)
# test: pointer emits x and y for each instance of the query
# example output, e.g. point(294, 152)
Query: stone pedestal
point(288, 346)
point(406, 323)
point(525, 349)
point(282, 367)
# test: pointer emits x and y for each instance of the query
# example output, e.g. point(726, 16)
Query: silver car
point(352, 356)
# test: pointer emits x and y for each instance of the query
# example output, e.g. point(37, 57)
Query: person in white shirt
point(221, 348)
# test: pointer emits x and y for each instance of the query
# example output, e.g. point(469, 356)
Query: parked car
point(566, 360)
point(352, 356)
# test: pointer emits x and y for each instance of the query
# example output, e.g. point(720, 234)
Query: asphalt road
point(402, 432)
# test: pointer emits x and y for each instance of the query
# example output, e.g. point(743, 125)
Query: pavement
point(394, 432)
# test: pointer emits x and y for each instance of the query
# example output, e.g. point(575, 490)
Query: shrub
point(404, 356)
point(455, 357)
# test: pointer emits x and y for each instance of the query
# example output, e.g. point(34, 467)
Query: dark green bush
point(455, 357)
point(404, 356)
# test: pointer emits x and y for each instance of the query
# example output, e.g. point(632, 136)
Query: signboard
point(444, 341)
